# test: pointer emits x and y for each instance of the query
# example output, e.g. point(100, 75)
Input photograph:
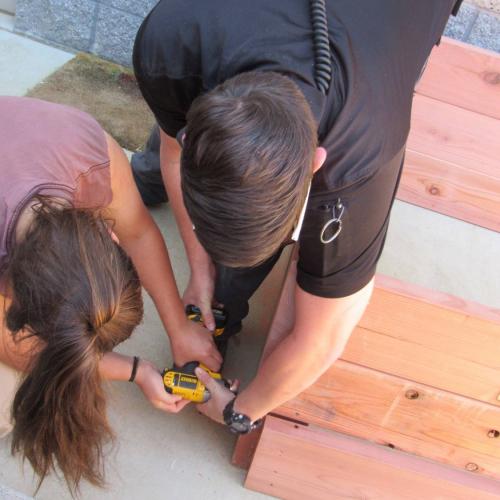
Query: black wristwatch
point(237, 422)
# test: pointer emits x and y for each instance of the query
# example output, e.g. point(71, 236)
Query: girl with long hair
point(75, 238)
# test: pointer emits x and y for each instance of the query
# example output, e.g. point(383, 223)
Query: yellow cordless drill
point(182, 380)
point(194, 314)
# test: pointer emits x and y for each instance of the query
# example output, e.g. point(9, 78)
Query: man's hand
point(195, 343)
point(219, 396)
point(151, 384)
point(200, 289)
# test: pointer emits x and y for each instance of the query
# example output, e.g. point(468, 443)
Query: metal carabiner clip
point(336, 219)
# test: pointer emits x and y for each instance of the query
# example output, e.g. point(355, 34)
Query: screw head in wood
point(412, 394)
point(434, 190)
point(472, 467)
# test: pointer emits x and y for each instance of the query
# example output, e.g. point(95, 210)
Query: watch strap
point(238, 422)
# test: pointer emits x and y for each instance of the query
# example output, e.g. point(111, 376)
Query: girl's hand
point(195, 343)
point(150, 381)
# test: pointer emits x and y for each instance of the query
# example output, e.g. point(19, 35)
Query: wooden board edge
point(244, 449)
point(450, 189)
point(474, 48)
point(477, 66)
point(393, 458)
point(437, 298)
point(425, 442)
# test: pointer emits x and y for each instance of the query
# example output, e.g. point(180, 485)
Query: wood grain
point(465, 76)
point(437, 298)
point(455, 135)
point(295, 463)
point(452, 162)
point(378, 407)
point(284, 315)
point(443, 330)
point(244, 450)
point(451, 190)
point(429, 344)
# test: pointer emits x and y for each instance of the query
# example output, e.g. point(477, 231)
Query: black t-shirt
point(187, 47)
point(379, 47)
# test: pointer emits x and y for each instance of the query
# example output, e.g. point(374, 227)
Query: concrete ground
point(186, 456)
point(23, 63)
point(446, 254)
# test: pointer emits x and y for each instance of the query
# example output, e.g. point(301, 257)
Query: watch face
point(237, 422)
point(240, 426)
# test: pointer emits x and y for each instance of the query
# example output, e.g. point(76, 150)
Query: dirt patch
point(107, 91)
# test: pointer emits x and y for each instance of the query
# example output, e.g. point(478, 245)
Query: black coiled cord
point(322, 55)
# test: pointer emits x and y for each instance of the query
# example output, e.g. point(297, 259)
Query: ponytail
point(76, 292)
point(60, 412)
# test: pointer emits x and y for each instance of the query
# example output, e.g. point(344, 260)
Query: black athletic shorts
point(348, 263)
point(332, 270)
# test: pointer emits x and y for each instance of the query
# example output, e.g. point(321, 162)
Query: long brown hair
point(77, 293)
point(246, 164)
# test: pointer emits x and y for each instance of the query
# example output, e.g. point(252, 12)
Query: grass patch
point(105, 90)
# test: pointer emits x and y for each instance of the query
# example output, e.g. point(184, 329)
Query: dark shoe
point(147, 172)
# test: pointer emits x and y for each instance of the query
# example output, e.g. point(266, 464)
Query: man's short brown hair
point(246, 164)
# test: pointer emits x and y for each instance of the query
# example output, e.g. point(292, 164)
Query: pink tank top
point(52, 150)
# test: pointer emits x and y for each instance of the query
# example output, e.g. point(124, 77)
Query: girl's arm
point(113, 366)
point(142, 240)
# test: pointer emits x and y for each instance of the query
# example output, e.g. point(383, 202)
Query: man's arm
point(319, 334)
point(321, 331)
point(201, 284)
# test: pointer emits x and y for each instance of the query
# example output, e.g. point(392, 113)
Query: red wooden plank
point(453, 333)
point(284, 314)
point(451, 190)
point(296, 462)
point(465, 76)
point(425, 421)
point(455, 135)
point(436, 298)
point(430, 344)
point(244, 450)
